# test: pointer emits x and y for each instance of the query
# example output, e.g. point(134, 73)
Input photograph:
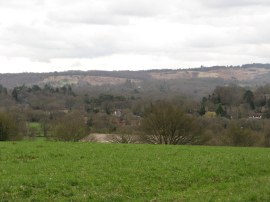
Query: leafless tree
point(166, 123)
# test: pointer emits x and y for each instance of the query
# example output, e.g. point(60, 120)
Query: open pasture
point(59, 171)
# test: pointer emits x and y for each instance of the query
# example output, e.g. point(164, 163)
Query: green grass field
point(58, 171)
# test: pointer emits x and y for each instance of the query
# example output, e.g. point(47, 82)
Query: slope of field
point(56, 171)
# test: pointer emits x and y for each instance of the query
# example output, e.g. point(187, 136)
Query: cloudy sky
point(57, 35)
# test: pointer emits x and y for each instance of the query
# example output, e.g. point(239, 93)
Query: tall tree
point(249, 98)
point(220, 111)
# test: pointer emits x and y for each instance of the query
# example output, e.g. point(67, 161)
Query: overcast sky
point(57, 35)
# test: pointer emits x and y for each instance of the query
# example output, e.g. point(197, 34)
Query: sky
point(59, 35)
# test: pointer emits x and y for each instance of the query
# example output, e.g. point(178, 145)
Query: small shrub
point(8, 128)
point(71, 127)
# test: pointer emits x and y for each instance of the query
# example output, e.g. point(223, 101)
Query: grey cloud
point(29, 36)
point(235, 3)
point(21, 4)
point(228, 37)
point(195, 30)
point(42, 45)
point(95, 19)
point(138, 8)
point(118, 12)
point(87, 13)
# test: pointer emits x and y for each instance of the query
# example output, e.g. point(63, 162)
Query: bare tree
point(168, 124)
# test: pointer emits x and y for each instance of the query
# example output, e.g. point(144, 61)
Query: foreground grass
point(57, 171)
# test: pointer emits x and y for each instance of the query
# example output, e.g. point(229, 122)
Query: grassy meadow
point(59, 171)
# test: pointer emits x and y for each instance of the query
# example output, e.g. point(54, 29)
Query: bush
point(239, 136)
point(267, 135)
point(8, 128)
point(71, 127)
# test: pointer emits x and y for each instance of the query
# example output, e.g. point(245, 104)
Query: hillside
point(190, 83)
point(226, 73)
point(252, 74)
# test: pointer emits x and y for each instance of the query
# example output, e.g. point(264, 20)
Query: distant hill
point(192, 82)
point(246, 73)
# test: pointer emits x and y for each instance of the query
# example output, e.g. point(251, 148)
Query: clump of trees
point(237, 102)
